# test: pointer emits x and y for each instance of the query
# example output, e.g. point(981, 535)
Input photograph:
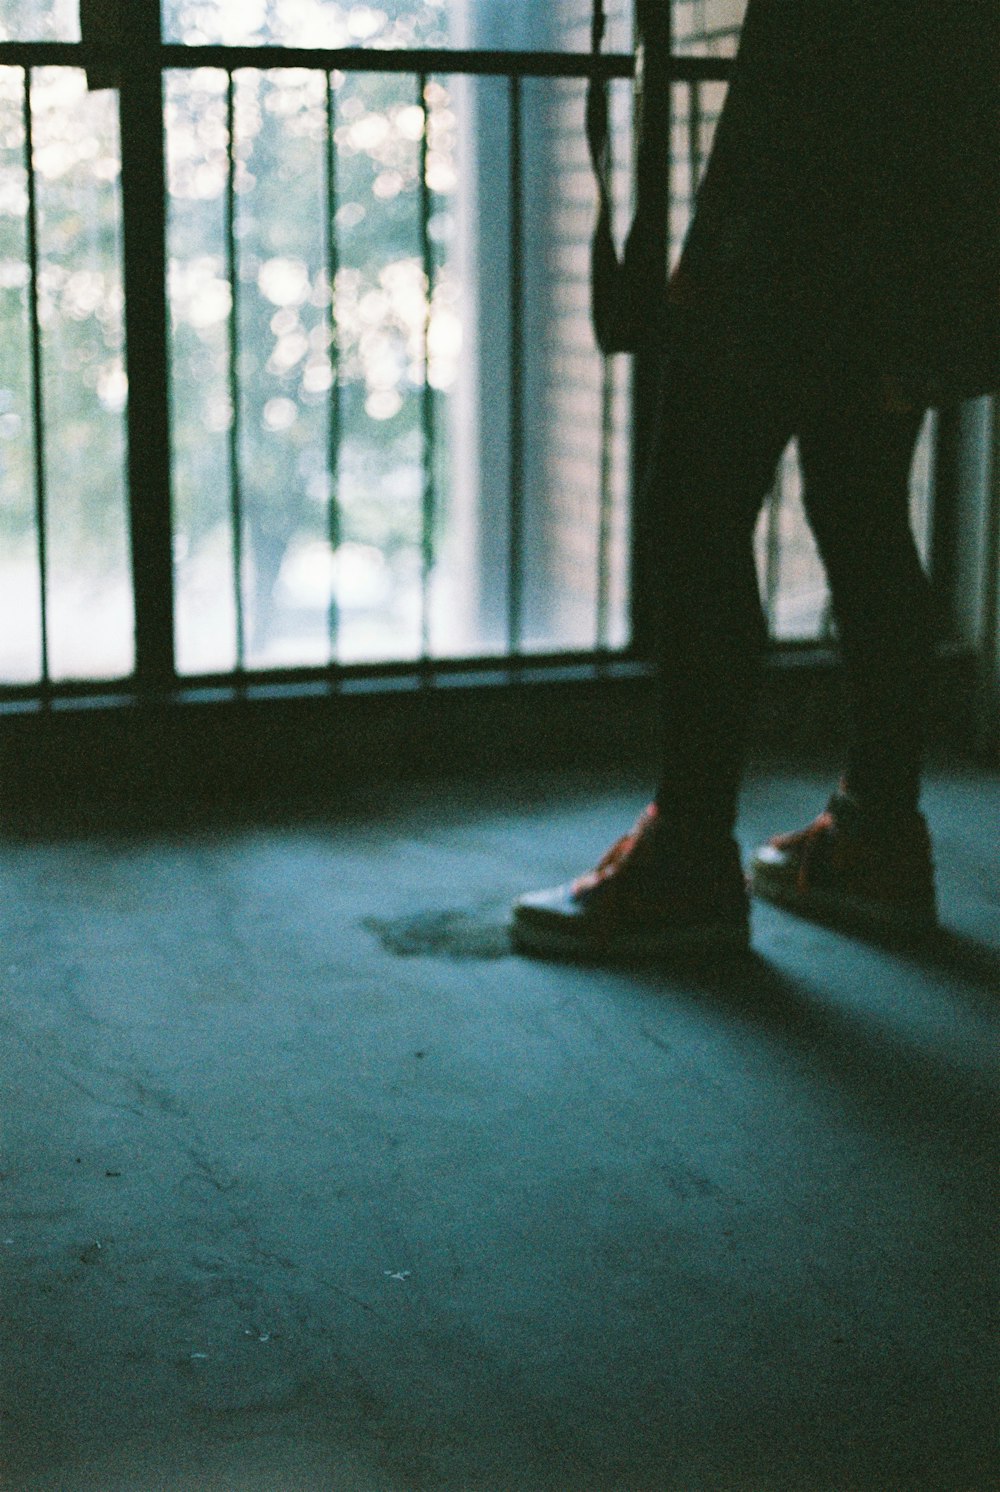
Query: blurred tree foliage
point(79, 300)
point(313, 355)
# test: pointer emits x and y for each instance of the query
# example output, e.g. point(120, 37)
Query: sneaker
point(852, 869)
point(645, 899)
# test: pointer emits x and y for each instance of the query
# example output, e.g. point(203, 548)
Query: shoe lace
point(619, 853)
point(806, 841)
point(901, 852)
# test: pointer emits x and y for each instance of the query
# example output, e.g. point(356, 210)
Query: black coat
point(850, 210)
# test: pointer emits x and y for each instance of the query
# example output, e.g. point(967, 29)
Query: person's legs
point(856, 459)
point(675, 884)
point(866, 861)
point(720, 441)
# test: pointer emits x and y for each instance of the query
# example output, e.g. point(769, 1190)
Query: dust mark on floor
point(459, 933)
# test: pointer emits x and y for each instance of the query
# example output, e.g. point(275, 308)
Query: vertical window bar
point(37, 401)
point(515, 571)
point(235, 485)
point(427, 402)
point(604, 518)
point(334, 423)
point(144, 208)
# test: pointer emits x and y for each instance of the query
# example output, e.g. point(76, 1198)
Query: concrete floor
point(309, 1184)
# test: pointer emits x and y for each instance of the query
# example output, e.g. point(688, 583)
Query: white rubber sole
point(851, 913)
point(715, 940)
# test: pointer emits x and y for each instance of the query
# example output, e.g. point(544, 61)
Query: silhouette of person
point(840, 276)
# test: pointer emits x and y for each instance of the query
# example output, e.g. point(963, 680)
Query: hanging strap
point(597, 25)
point(652, 108)
point(597, 116)
point(628, 291)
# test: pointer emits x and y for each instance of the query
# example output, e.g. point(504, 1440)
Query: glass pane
point(200, 302)
point(326, 461)
point(381, 313)
point(308, 23)
point(496, 24)
point(77, 167)
point(357, 462)
point(790, 571)
point(83, 386)
point(791, 575)
point(455, 617)
point(20, 585)
point(708, 28)
point(695, 111)
point(921, 478)
point(285, 369)
point(573, 19)
point(39, 20)
point(569, 410)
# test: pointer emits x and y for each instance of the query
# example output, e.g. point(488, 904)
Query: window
point(354, 393)
point(392, 440)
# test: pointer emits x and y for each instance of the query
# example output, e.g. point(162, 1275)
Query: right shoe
point(853, 870)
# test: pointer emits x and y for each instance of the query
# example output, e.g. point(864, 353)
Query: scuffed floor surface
point(309, 1185)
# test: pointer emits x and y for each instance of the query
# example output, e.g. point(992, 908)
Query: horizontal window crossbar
point(474, 63)
point(435, 674)
point(344, 678)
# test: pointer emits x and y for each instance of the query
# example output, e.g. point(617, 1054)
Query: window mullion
point(144, 216)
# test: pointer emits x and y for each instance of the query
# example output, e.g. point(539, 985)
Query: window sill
point(266, 744)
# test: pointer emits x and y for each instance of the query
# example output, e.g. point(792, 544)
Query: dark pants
point(718, 442)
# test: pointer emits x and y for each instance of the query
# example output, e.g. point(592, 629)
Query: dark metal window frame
point(144, 207)
point(144, 210)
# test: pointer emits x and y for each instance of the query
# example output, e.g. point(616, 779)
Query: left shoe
point(646, 899)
